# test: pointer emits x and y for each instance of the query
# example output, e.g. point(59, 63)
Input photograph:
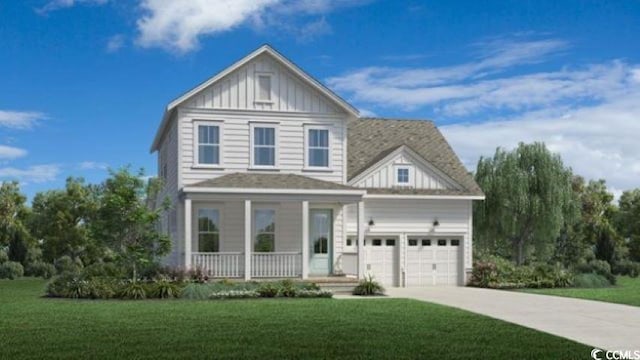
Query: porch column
point(361, 265)
point(305, 239)
point(247, 239)
point(187, 233)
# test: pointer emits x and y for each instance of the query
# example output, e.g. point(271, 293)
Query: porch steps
point(340, 287)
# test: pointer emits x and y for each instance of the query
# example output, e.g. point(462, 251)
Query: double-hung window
point(264, 230)
point(318, 147)
point(208, 230)
point(208, 144)
point(264, 145)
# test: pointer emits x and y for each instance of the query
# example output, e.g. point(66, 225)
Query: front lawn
point(627, 291)
point(35, 327)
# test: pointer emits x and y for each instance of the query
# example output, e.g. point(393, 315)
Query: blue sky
point(84, 82)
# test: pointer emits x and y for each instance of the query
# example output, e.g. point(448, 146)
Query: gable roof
point(264, 49)
point(271, 181)
point(372, 139)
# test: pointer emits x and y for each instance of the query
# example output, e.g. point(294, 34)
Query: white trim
point(329, 129)
point(305, 239)
point(187, 233)
point(247, 239)
point(194, 189)
point(254, 233)
point(287, 64)
point(195, 222)
point(256, 87)
point(421, 197)
point(276, 147)
point(419, 159)
point(196, 143)
point(410, 175)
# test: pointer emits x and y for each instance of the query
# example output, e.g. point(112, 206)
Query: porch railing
point(222, 265)
point(276, 264)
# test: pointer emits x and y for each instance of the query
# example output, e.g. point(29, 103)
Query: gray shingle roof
point(271, 181)
point(371, 139)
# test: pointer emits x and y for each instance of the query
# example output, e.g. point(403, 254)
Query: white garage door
point(381, 259)
point(432, 261)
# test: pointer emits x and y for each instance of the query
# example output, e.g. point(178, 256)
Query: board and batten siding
point(421, 177)
point(238, 91)
point(236, 148)
point(168, 152)
point(416, 216)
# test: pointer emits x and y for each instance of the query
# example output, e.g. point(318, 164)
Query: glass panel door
point(320, 239)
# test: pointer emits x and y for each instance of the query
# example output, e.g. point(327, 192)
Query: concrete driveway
point(598, 324)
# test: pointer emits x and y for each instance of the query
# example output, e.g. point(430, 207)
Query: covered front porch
point(268, 233)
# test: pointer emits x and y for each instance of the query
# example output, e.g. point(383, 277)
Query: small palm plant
point(368, 287)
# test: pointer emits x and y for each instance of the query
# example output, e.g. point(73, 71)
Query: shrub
point(195, 291)
point(590, 280)
point(309, 286)
point(3, 256)
point(67, 264)
point(40, 269)
point(287, 288)
point(165, 289)
point(368, 287)
point(11, 270)
point(102, 269)
point(599, 267)
point(484, 273)
point(627, 268)
point(103, 288)
point(234, 294)
point(77, 289)
point(133, 290)
point(307, 293)
point(57, 287)
point(268, 290)
point(198, 275)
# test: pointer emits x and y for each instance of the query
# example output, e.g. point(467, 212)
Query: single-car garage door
point(381, 259)
point(432, 261)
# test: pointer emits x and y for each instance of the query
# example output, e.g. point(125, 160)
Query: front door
point(320, 239)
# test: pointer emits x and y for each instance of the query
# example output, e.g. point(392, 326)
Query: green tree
point(529, 199)
point(628, 221)
point(13, 211)
point(127, 224)
point(61, 221)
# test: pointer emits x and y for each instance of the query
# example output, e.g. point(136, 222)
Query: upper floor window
point(264, 88)
point(208, 141)
point(403, 175)
point(317, 147)
point(264, 145)
point(264, 230)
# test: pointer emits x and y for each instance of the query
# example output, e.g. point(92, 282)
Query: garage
point(432, 261)
point(381, 259)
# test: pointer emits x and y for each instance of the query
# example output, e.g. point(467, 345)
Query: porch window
point(208, 144)
point(265, 230)
point(208, 230)
point(318, 147)
point(264, 145)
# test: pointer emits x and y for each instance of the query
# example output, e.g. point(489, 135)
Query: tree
point(125, 222)
point(61, 221)
point(628, 221)
point(13, 212)
point(529, 199)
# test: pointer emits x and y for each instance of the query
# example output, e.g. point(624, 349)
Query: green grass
point(627, 291)
point(36, 327)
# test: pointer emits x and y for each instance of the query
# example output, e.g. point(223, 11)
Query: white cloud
point(93, 165)
point(20, 119)
point(178, 25)
point(590, 114)
point(35, 174)
point(54, 5)
point(10, 152)
point(115, 43)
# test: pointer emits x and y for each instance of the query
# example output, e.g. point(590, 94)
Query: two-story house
point(273, 175)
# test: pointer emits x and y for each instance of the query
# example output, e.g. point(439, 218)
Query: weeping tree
point(529, 199)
